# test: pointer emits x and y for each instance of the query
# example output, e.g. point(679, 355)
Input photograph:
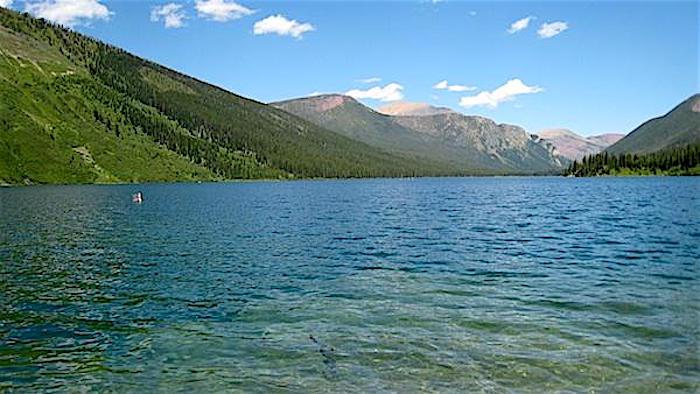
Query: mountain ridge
point(574, 146)
point(434, 134)
point(678, 127)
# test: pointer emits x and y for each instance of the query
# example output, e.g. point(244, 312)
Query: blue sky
point(614, 65)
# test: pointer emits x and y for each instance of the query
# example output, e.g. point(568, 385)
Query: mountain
point(468, 144)
point(403, 108)
point(575, 147)
point(76, 110)
point(49, 130)
point(606, 139)
point(499, 146)
point(348, 117)
point(679, 127)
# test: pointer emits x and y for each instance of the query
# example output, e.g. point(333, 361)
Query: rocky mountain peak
point(319, 103)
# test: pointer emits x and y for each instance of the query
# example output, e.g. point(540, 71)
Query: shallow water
point(457, 284)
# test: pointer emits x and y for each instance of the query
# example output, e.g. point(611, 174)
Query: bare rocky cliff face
point(507, 144)
point(471, 144)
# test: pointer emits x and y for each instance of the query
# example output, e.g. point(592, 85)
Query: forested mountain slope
point(74, 109)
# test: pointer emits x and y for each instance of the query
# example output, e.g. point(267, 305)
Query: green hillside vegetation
point(75, 110)
point(672, 161)
point(52, 131)
point(679, 127)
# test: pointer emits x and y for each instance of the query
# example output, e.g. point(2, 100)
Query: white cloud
point(461, 88)
point(370, 80)
point(221, 10)
point(172, 15)
point(443, 85)
point(505, 92)
point(278, 24)
point(440, 85)
point(548, 30)
point(5, 3)
point(68, 12)
point(472, 13)
point(520, 24)
point(390, 92)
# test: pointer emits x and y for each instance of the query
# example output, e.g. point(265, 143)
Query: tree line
point(683, 160)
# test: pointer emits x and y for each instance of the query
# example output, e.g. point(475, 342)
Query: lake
point(435, 284)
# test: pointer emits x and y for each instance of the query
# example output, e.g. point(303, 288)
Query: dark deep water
point(483, 284)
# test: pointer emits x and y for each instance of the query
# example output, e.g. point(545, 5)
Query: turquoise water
point(459, 284)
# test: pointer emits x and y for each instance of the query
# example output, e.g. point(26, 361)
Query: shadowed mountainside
point(679, 127)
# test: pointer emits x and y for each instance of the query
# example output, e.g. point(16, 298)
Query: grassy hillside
point(49, 132)
point(73, 109)
point(679, 127)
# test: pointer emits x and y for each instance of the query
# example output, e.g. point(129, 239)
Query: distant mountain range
point(679, 127)
point(575, 147)
point(468, 144)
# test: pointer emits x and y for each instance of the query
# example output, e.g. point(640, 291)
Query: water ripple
point(469, 285)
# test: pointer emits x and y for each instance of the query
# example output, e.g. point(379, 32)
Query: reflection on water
point(480, 284)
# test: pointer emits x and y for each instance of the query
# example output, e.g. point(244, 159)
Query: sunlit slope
point(207, 130)
point(53, 131)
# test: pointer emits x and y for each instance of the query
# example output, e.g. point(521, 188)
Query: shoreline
point(276, 180)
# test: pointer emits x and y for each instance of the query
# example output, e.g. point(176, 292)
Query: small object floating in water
point(137, 198)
